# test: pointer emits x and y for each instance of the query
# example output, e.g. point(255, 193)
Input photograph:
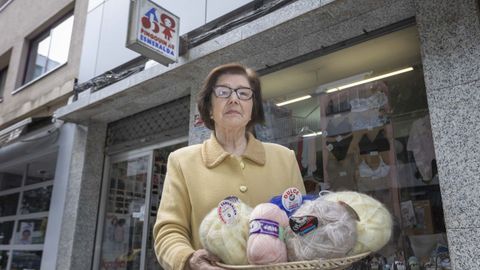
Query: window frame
point(5, 4)
point(32, 52)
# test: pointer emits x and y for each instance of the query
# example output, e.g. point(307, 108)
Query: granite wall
point(450, 37)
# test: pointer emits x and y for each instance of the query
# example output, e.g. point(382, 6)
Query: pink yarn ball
point(264, 246)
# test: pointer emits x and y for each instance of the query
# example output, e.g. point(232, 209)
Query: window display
point(368, 132)
point(25, 197)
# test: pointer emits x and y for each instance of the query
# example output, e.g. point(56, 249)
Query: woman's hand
point(202, 259)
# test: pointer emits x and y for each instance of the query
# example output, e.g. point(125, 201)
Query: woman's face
point(231, 112)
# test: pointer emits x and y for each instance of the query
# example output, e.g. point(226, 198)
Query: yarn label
point(227, 211)
point(303, 225)
point(291, 199)
point(264, 226)
point(233, 199)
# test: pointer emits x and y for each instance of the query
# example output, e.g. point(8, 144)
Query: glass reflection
point(8, 204)
point(6, 230)
point(36, 200)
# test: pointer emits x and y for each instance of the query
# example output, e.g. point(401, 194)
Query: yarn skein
point(265, 244)
point(224, 231)
point(375, 226)
point(329, 231)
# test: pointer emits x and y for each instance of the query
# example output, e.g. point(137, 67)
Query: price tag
point(374, 153)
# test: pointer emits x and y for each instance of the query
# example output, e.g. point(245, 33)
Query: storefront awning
point(13, 132)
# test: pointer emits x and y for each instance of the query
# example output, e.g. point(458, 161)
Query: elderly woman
point(231, 162)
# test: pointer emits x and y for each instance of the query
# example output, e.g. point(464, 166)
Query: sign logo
point(153, 32)
point(150, 31)
point(168, 23)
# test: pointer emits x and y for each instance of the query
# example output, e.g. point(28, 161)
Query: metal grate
point(165, 121)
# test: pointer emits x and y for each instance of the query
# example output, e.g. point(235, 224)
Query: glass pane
point(41, 58)
point(36, 200)
point(3, 78)
point(8, 204)
point(11, 177)
point(6, 230)
point(158, 176)
point(41, 170)
point(31, 231)
point(123, 227)
point(60, 44)
point(3, 259)
point(23, 260)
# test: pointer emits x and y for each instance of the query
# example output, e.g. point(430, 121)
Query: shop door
point(123, 225)
point(132, 192)
point(158, 177)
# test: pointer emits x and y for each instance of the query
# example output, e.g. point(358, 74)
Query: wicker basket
point(322, 264)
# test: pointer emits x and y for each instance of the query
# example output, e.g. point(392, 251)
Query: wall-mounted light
point(376, 78)
point(294, 100)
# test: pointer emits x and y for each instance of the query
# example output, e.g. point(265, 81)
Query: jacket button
point(243, 189)
point(242, 165)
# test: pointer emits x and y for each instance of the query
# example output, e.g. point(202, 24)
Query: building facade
point(39, 63)
point(389, 108)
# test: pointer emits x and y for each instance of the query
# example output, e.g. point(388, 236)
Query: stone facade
point(449, 33)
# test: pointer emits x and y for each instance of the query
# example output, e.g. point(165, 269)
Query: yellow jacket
point(200, 176)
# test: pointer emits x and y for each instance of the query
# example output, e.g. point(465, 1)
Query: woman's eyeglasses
point(223, 91)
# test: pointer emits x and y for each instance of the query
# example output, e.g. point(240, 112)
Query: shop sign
point(153, 31)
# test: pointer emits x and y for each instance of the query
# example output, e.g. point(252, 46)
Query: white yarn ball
point(375, 226)
point(334, 237)
point(227, 241)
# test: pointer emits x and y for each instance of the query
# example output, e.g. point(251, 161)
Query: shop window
point(49, 50)
point(25, 196)
point(358, 120)
point(3, 78)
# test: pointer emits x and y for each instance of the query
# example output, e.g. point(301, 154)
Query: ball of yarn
point(277, 200)
point(265, 244)
point(228, 241)
point(375, 226)
point(334, 236)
